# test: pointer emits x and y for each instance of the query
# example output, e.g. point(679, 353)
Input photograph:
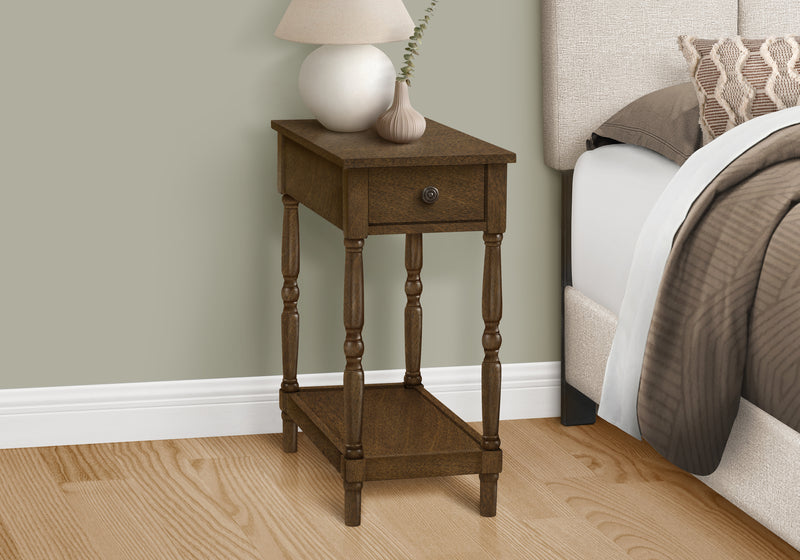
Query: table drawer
point(396, 194)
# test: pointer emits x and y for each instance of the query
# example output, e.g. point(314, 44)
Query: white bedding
point(613, 190)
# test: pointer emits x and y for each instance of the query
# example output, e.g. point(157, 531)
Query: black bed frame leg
point(576, 408)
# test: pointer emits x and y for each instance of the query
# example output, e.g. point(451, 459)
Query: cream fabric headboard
point(762, 18)
point(599, 56)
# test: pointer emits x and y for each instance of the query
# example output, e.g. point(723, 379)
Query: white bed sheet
point(614, 188)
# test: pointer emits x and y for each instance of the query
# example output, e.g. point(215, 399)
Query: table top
point(440, 145)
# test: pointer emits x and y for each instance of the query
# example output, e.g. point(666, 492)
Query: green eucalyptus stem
point(414, 43)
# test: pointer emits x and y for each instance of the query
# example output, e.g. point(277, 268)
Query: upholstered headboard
point(599, 56)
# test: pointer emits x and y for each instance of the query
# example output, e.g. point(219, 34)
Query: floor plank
point(578, 493)
point(120, 524)
point(623, 521)
point(688, 510)
point(7, 547)
point(168, 486)
point(605, 450)
point(77, 463)
point(35, 512)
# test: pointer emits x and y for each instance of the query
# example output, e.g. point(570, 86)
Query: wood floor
point(587, 492)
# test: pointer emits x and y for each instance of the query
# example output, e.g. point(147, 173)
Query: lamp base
point(347, 87)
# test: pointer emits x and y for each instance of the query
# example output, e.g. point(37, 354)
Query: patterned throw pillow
point(738, 79)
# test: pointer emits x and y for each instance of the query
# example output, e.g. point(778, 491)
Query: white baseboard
point(236, 406)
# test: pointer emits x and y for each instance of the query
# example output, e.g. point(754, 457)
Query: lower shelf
point(406, 433)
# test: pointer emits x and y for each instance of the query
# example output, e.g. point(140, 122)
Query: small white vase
point(401, 123)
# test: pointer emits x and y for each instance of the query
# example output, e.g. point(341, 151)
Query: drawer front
point(396, 194)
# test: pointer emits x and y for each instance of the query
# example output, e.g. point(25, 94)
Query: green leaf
point(415, 41)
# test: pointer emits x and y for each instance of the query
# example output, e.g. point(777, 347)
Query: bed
point(593, 67)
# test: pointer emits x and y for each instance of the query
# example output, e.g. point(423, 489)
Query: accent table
point(364, 185)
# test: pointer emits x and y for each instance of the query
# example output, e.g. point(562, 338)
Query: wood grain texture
point(496, 197)
point(353, 347)
point(353, 380)
point(566, 493)
point(353, 181)
point(290, 318)
point(162, 478)
point(79, 463)
point(314, 181)
point(395, 194)
point(407, 433)
point(385, 433)
point(8, 549)
point(281, 163)
point(290, 293)
point(426, 227)
point(32, 503)
point(356, 200)
point(492, 310)
point(440, 145)
point(380, 187)
point(413, 312)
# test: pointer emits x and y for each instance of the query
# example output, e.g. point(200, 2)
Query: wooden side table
point(446, 181)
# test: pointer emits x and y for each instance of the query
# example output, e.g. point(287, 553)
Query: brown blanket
point(727, 318)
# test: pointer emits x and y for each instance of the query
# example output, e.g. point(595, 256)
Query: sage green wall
point(139, 222)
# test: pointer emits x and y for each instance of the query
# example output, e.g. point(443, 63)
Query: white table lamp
point(346, 83)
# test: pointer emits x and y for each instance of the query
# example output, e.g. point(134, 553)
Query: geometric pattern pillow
point(738, 79)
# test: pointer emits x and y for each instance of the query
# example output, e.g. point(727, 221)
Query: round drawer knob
point(430, 195)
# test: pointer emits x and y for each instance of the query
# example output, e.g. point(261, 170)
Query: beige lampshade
point(345, 22)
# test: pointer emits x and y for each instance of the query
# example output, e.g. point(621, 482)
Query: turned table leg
point(353, 380)
point(490, 369)
point(290, 319)
point(413, 318)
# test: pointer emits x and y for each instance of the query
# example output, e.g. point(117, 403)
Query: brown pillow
point(665, 121)
point(738, 79)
